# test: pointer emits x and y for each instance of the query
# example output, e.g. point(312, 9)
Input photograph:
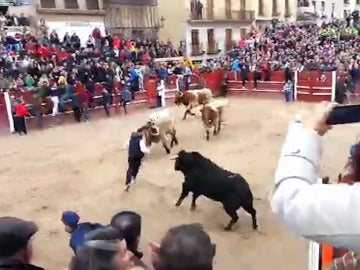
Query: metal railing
point(234, 15)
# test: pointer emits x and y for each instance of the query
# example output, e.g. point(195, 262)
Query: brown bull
point(192, 99)
point(212, 116)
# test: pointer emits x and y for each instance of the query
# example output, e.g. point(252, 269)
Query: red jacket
point(20, 110)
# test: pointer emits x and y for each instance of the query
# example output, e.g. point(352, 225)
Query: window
point(228, 9)
point(195, 44)
point(346, 2)
point(47, 4)
point(358, 2)
point(193, 9)
point(243, 32)
point(71, 4)
point(303, 3)
point(195, 37)
point(210, 9)
point(322, 6)
point(211, 40)
point(274, 8)
point(92, 4)
point(228, 39)
point(243, 4)
point(314, 5)
point(332, 10)
point(261, 8)
point(287, 8)
point(105, 4)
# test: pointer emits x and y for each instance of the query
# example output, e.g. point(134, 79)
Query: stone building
point(338, 9)
point(267, 10)
point(132, 18)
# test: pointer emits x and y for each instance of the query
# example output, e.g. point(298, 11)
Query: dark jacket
point(9, 264)
point(125, 95)
point(134, 146)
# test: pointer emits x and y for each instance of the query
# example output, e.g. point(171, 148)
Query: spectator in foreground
point(109, 255)
point(16, 244)
point(129, 223)
point(184, 247)
point(322, 213)
point(81, 260)
point(77, 230)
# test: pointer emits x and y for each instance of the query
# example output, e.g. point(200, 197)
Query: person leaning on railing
point(322, 213)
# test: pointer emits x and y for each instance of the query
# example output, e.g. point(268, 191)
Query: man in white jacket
point(322, 213)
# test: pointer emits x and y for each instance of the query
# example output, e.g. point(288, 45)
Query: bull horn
point(155, 131)
point(174, 157)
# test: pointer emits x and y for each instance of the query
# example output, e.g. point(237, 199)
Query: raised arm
point(323, 213)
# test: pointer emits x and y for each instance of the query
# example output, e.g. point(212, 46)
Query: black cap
point(15, 233)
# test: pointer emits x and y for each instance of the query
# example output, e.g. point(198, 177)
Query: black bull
point(203, 177)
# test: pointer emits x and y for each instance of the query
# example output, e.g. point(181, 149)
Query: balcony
point(235, 16)
point(196, 50)
point(213, 48)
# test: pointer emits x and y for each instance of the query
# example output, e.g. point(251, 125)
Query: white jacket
point(323, 213)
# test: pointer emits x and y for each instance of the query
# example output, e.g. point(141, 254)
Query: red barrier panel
point(311, 87)
point(314, 86)
point(270, 84)
point(213, 80)
point(151, 91)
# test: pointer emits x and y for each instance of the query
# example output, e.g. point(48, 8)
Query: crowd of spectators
point(27, 59)
point(303, 45)
point(109, 247)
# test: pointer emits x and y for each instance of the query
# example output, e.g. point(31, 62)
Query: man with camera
point(322, 213)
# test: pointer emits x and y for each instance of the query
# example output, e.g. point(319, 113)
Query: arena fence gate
point(311, 86)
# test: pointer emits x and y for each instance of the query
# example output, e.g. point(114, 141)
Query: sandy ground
point(82, 167)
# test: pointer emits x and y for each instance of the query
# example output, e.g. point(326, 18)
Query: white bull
point(158, 126)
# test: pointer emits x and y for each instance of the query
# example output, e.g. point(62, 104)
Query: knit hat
point(70, 218)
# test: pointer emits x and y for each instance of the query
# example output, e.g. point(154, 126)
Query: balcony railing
point(243, 15)
point(229, 45)
point(212, 48)
point(196, 50)
point(237, 15)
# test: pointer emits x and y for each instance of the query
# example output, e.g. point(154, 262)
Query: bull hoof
point(167, 151)
point(207, 138)
point(227, 228)
point(193, 208)
point(177, 205)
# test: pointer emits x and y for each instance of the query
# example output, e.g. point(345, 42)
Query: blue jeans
point(288, 96)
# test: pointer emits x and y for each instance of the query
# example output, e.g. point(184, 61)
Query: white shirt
point(323, 213)
point(142, 144)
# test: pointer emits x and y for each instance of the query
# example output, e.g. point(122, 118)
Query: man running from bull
point(136, 151)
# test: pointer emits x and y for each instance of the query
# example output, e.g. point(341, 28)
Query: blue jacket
point(235, 66)
point(77, 236)
point(161, 73)
point(133, 74)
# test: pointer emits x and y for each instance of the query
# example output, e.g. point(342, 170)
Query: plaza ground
point(82, 167)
